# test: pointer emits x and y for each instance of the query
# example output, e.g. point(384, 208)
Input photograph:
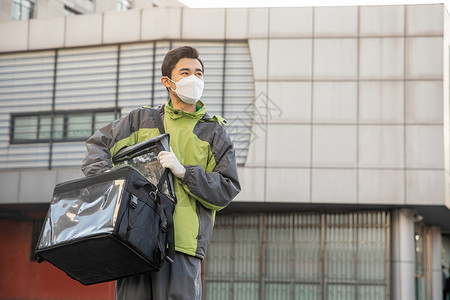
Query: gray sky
point(299, 3)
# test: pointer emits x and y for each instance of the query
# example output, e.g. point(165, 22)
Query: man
point(203, 163)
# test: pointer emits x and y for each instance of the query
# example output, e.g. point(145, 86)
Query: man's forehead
point(188, 63)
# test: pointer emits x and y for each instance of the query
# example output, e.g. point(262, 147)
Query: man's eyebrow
point(187, 69)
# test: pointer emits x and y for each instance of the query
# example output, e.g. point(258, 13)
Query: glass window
point(67, 126)
point(86, 77)
point(123, 5)
point(22, 9)
point(79, 126)
point(45, 123)
point(58, 127)
point(103, 118)
point(25, 128)
point(421, 262)
point(299, 256)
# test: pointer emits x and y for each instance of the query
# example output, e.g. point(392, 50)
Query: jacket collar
point(176, 113)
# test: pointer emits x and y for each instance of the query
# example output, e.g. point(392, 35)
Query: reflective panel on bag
point(83, 212)
point(143, 156)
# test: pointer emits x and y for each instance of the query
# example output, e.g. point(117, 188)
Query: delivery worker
point(202, 160)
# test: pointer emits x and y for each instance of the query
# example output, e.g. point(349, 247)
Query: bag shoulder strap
point(158, 119)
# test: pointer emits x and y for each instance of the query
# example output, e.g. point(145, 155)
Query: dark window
point(67, 125)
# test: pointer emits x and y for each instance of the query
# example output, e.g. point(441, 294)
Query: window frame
point(65, 130)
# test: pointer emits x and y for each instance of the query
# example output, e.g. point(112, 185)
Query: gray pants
point(176, 281)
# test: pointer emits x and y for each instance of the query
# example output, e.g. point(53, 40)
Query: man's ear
point(165, 81)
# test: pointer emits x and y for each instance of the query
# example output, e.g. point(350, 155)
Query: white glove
point(169, 160)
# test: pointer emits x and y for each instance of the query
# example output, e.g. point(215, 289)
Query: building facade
point(340, 119)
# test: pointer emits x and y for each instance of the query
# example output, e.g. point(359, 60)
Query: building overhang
point(433, 215)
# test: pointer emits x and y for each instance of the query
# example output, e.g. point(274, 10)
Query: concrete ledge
point(36, 186)
point(33, 186)
point(236, 23)
point(435, 215)
point(122, 27)
point(9, 185)
point(84, 30)
point(14, 36)
point(162, 23)
point(217, 24)
point(46, 33)
point(204, 23)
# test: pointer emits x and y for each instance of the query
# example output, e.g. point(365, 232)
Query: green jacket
point(201, 144)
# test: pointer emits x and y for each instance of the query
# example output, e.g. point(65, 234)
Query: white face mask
point(189, 89)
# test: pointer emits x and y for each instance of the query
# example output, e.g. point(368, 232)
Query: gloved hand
point(169, 160)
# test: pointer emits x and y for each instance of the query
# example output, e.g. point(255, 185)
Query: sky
point(300, 3)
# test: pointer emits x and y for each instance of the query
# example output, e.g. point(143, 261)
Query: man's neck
point(177, 103)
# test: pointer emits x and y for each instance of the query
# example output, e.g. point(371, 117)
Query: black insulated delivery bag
point(108, 226)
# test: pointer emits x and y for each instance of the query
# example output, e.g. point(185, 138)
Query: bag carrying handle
point(162, 180)
point(159, 121)
point(169, 253)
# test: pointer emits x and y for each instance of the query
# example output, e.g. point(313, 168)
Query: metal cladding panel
point(86, 78)
point(26, 84)
point(26, 80)
point(136, 65)
point(24, 156)
point(68, 154)
point(160, 93)
point(65, 85)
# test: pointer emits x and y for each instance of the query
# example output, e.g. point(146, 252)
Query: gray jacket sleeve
point(216, 189)
point(97, 158)
point(98, 155)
